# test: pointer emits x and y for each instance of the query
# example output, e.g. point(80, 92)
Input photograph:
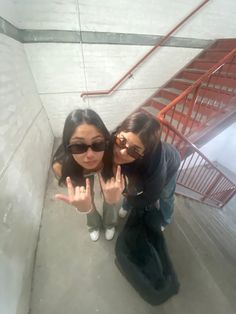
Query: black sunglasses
point(121, 142)
point(81, 148)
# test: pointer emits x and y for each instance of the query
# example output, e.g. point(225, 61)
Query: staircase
point(193, 107)
point(210, 101)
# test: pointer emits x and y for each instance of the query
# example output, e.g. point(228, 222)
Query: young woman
point(150, 165)
point(83, 161)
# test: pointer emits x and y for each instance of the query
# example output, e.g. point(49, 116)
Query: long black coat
point(142, 257)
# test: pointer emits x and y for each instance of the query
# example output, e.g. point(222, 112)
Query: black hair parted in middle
point(69, 166)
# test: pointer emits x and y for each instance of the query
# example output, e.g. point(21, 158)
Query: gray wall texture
point(25, 149)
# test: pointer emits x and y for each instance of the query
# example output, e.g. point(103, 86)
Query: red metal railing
point(131, 71)
point(206, 98)
point(197, 173)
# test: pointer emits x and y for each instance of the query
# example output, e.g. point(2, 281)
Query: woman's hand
point(113, 188)
point(79, 197)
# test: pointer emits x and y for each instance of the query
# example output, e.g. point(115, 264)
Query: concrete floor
point(74, 275)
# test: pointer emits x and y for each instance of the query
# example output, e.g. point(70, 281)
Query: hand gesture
point(113, 188)
point(79, 197)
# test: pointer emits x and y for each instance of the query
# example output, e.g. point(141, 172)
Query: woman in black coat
point(149, 164)
point(150, 167)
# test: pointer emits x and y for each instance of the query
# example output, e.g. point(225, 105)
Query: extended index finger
point(88, 186)
point(70, 188)
point(118, 173)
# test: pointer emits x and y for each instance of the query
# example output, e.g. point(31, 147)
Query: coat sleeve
point(155, 177)
point(149, 194)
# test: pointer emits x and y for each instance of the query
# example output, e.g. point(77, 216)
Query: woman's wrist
point(85, 209)
point(111, 203)
point(85, 212)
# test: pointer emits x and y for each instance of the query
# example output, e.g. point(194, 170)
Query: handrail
point(184, 138)
point(187, 91)
point(128, 74)
point(224, 191)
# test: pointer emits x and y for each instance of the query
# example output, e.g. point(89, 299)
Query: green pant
point(108, 220)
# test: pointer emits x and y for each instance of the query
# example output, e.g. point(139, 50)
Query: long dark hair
point(69, 166)
point(147, 128)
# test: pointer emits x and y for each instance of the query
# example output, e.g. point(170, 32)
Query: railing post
point(190, 109)
point(226, 200)
point(211, 187)
point(218, 174)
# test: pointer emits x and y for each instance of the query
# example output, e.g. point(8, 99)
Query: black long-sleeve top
point(147, 178)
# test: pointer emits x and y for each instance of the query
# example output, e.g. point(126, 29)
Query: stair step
point(201, 64)
point(206, 96)
point(173, 90)
point(169, 93)
point(214, 92)
point(184, 80)
point(178, 85)
point(193, 76)
point(224, 84)
point(163, 101)
point(207, 60)
point(227, 83)
point(151, 110)
point(178, 115)
point(227, 43)
point(218, 49)
point(203, 71)
point(230, 73)
point(204, 107)
point(182, 85)
point(208, 103)
point(214, 95)
point(154, 112)
point(215, 55)
point(166, 93)
point(200, 115)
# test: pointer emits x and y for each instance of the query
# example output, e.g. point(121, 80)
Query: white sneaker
point(109, 233)
point(122, 212)
point(94, 235)
point(162, 228)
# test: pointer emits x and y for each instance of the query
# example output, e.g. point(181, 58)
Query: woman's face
point(128, 147)
point(88, 134)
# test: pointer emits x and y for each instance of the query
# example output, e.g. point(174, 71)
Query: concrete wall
point(58, 72)
point(8, 11)
point(63, 70)
point(25, 149)
point(152, 17)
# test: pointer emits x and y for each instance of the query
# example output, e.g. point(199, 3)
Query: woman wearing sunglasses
point(83, 162)
point(150, 165)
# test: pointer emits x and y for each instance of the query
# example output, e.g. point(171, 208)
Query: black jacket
point(148, 177)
